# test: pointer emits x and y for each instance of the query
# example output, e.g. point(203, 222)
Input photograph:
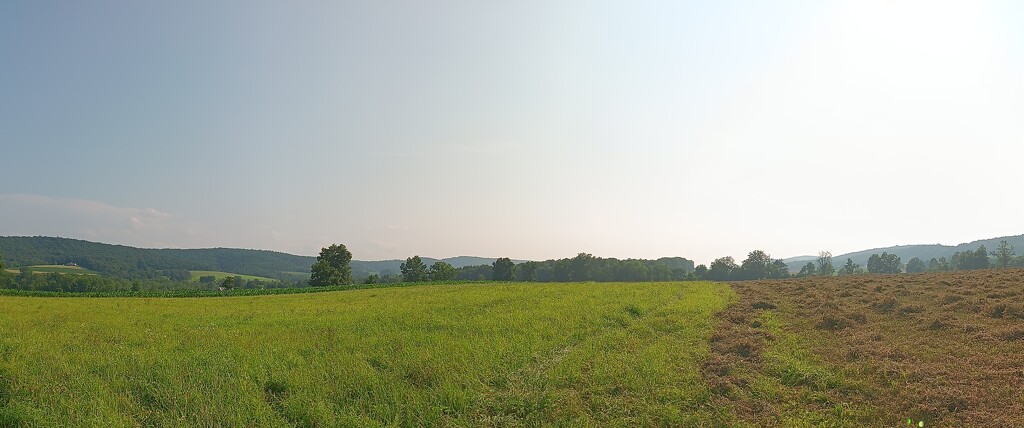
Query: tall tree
point(891, 263)
point(504, 270)
point(757, 265)
point(1003, 254)
point(722, 269)
point(414, 270)
point(442, 271)
point(916, 265)
point(700, 272)
point(332, 267)
point(875, 264)
point(825, 267)
point(778, 269)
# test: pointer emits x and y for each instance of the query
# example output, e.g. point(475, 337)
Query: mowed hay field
point(439, 355)
point(872, 350)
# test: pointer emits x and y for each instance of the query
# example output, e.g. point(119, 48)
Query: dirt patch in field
point(946, 348)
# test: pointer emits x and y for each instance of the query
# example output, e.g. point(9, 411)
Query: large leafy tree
point(778, 269)
point(886, 263)
point(875, 263)
point(891, 263)
point(332, 267)
point(916, 265)
point(700, 272)
point(442, 271)
point(722, 269)
point(414, 270)
point(757, 265)
point(504, 270)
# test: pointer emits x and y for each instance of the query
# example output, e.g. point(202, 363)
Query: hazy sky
point(529, 129)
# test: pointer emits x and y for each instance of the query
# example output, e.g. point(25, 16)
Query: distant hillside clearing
point(196, 274)
point(73, 270)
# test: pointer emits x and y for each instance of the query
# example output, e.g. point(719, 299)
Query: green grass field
point(464, 355)
point(74, 270)
point(196, 274)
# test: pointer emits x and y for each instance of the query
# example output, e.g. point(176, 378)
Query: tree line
point(583, 267)
point(759, 265)
point(332, 267)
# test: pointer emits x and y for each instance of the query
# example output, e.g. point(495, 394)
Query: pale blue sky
point(530, 129)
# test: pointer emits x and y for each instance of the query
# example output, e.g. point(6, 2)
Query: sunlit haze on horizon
point(527, 129)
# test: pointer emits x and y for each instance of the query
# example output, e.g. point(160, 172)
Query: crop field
point(196, 274)
point(872, 350)
point(463, 355)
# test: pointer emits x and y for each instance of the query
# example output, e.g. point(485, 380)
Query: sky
point(523, 129)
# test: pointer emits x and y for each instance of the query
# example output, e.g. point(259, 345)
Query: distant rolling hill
point(130, 262)
point(907, 252)
point(799, 261)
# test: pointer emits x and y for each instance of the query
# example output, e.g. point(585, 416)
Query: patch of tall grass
point(462, 354)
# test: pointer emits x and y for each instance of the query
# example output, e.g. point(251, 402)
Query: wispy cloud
point(93, 220)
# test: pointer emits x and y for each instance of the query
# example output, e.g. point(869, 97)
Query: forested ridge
point(145, 263)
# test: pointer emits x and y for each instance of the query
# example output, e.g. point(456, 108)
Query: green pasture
point(516, 354)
